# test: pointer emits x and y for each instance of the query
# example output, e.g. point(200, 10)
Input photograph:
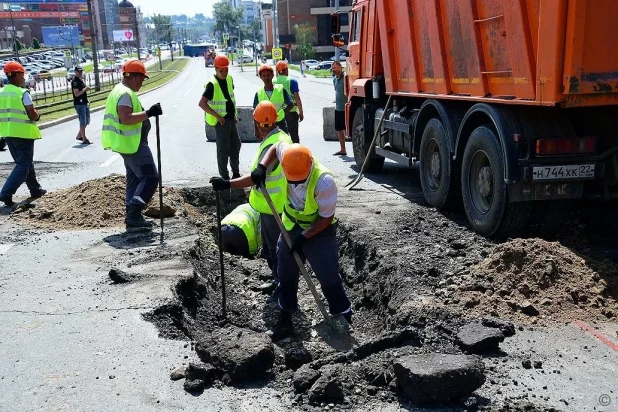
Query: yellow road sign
point(226, 36)
point(277, 53)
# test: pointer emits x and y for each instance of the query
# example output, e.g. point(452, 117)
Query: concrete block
point(329, 133)
point(245, 126)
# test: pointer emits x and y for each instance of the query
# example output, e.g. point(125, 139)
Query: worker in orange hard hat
point(219, 105)
point(265, 116)
point(274, 93)
point(17, 127)
point(309, 218)
point(296, 115)
point(125, 131)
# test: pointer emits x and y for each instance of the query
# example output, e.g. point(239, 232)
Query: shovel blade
point(337, 333)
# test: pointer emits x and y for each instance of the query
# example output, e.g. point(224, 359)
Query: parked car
point(325, 65)
point(245, 58)
point(108, 68)
point(310, 64)
point(29, 80)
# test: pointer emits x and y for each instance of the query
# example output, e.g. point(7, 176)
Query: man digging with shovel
point(309, 219)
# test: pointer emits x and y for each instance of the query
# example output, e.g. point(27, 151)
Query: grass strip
point(157, 78)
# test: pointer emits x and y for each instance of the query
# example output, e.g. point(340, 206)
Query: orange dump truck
point(510, 106)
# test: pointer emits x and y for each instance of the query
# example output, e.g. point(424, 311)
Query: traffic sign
point(277, 53)
point(226, 36)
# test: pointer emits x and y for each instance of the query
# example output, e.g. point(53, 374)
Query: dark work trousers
point(228, 146)
point(292, 121)
point(283, 125)
point(142, 176)
point(270, 232)
point(22, 151)
point(323, 255)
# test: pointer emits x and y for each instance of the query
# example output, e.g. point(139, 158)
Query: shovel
point(356, 181)
point(160, 177)
point(223, 298)
point(336, 330)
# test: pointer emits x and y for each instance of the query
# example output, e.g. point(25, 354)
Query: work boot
point(7, 199)
point(135, 220)
point(283, 328)
point(275, 295)
point(38, 193)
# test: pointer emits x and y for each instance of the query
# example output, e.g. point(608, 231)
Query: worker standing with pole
point(125, 131)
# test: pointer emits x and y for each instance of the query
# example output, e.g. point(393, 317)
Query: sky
point(170, 7)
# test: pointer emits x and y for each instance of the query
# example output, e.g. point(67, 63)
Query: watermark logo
point(605, 400)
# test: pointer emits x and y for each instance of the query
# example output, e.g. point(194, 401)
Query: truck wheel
point(438, 186)
point(361, 139)
point(484, 191)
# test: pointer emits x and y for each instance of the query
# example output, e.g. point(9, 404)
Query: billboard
point(60, 36)
point(123, 35)
point(38, 14)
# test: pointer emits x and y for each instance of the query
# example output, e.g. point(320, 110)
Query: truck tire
point(439, 187)
point(484, 191)
point(361, 139)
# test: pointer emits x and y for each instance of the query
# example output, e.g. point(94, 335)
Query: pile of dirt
point(534, 281)
point(98, 203)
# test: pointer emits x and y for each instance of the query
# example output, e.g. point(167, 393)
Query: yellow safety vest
point(275, 98)
point(286, 82)
point(304, 218)
point(14, 120)
point(120, 138)
point(276, 185)
point(218, 101)
point(248, 219)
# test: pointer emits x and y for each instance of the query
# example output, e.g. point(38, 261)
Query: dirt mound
point(532, 280)
point(98, 203)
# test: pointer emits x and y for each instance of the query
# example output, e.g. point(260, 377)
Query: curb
point(97, 109)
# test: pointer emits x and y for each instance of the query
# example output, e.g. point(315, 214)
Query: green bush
point(35, 43)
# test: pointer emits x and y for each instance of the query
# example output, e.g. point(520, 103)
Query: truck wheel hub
point(435, 165)
point(484, 181)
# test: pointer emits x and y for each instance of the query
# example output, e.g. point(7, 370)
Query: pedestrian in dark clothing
point(81, 104)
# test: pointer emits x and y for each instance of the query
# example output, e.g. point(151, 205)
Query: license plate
point(563, 172)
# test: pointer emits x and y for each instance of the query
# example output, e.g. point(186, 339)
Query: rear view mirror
point(338, 40)
point(335, 23)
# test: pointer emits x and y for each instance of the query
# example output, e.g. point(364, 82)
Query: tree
point(35, 43)
point(163, 27)
point(17, 45)
point(226, 17)
point(305, 36)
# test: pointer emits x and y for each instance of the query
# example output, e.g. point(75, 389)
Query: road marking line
point(596, 334)
point(5, 248)
point(109, 161)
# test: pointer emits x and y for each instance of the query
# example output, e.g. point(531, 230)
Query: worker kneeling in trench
point(240, 231)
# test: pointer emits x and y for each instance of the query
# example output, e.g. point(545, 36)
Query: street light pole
point(15, 48)
point(95, 53)
point(336, 48)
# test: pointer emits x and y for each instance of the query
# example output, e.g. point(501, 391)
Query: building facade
point(293, 13)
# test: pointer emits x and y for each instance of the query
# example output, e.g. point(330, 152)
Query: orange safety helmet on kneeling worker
point(14, 67)
point(265, 113)
point(296, 162)
point(221, 62)
point(134, 67)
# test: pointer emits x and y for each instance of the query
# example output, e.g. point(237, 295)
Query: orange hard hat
point(265, 113)
point(265, 67)
point(134, 67)
point(281, 66)
point(296, 162)
point(14, 67)
point(221, 62)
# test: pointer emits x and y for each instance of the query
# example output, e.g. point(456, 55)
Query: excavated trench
point(394, 316)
